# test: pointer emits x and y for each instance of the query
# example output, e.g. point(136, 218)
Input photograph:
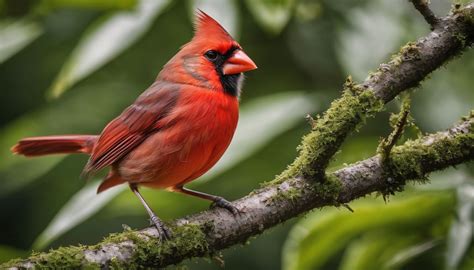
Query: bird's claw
point(164, 233)
point(223, 203)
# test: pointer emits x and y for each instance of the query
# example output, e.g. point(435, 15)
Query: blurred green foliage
point(70, 66)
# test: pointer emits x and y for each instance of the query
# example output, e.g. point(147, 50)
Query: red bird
point(176, 130)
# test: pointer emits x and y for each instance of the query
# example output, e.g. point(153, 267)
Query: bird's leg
point(163, 231)
point(216, 200)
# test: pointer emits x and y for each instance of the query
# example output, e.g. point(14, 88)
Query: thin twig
point(423, 7)
point(386, 145)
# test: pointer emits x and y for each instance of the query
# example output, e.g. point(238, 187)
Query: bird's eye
point(211, 55)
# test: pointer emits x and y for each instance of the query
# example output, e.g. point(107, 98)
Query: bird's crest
point(205, 26)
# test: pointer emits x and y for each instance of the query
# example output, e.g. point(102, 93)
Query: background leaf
point(106, 38)
point(81, 206)
point(372, 250)
point(313, 242)
point(407, 254)
point(460, 233)
point(377, 22)
point(272, 15)
point(15, 35)
point(86, 107)
point(92, 4)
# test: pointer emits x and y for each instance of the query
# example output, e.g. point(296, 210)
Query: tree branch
point(423, 7)
point(305, 185)
point(406, 69)
point(216, 229)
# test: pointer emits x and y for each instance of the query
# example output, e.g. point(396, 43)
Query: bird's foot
point(223, 203)
point(164, 233)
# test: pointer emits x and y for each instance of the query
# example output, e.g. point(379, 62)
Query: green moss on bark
point(414, 158)
point(346, 114)
point(187, 241)
point(61, 258)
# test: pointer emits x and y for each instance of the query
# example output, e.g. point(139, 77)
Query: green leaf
point(224, 11)
point(434, 115)
point(317, 239)
point(16, 35)
point(272, 15)
point(25, 171)
point(85, 203)
point(17, 171)
point(105, 39)
point(409, 253)
point(84, 110)
point(89, 4)
point(460, 234)
point(457, 176)
point(376, 32)
point(374, 249)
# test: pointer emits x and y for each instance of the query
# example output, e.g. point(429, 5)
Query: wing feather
point(132, 127)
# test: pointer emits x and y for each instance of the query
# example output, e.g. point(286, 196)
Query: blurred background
point(70, 66)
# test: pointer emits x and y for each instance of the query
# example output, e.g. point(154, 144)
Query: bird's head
point(212, 59)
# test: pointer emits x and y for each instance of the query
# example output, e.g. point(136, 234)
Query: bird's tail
point(62, 144)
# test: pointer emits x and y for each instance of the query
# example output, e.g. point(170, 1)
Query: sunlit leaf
point(272, 15)
point(376, 31)
point(373, 250)
point(457, 176)
point(106, 38)
point(315, 240)
point(16, 171)
point(15, 35)
point(24, 171)
point(84, 110)
point(224, 11)
point(81, 206)
point(456, 102)
point(409, 253)
point(460, 234)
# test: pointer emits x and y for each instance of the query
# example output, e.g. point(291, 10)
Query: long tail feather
point(62, 144)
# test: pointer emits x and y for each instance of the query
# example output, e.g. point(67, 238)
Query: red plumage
point(64, 144)
point(177, 129)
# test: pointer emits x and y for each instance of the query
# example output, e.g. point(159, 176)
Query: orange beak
point(238, 63)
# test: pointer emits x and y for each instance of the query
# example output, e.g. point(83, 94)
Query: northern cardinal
point(176, 130)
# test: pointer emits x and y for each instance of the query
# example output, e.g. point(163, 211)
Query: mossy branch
point(305, 184)
point(205, 233)
point(451, 36)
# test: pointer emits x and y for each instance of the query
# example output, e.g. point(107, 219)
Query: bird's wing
point(132, 127)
